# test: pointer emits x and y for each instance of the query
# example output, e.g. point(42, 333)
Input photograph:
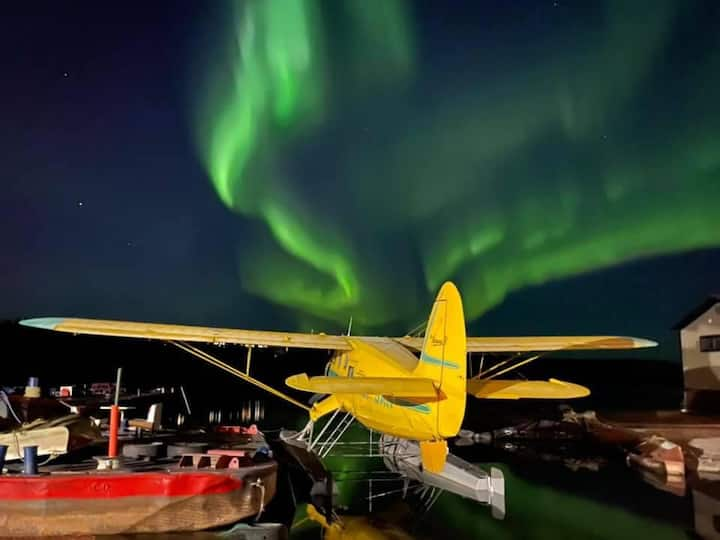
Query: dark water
point(557, 490)
point(544, 500)
point(551, 492)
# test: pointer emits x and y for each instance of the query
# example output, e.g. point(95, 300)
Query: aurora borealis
point(290, 164)
point(381, 165)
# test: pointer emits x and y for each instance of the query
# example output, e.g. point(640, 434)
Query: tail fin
point(443, 358)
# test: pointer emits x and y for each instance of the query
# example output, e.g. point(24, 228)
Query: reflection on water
point(542, 504)
point(545, 498)
point(243, 413)
point(550, 492)
point(551, 501)
point(706, 504)
point(241, 531)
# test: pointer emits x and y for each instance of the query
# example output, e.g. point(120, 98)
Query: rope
point(49, 459)
point(259, 484)
point(6, 399)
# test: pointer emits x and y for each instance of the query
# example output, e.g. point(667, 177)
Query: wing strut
point(484, 374)
point(245, 376)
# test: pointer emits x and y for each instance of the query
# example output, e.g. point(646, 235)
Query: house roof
point(701, 308)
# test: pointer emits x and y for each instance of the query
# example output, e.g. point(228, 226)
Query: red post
point(114, 425)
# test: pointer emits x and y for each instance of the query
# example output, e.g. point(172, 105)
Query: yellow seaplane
point(408, 387)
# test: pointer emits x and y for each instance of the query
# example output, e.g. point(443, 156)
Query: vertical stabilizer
point(443, 358)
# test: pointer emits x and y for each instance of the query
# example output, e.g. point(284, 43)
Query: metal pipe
point(185, 399)
point(334, 436)
point(30, 459)
point(117, 386)
point(115, 419)
point(322, 431)
point(482, 374)
point(114, 426)
point(514, 366)
point(248, 358)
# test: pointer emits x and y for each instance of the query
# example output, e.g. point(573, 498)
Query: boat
point(196, 492)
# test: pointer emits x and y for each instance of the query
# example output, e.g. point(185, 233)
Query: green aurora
point(377, 162)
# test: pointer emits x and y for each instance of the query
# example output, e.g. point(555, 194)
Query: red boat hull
point(103, 502)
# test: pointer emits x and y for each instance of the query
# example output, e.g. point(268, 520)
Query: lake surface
point(550, 493)
point(545, 500)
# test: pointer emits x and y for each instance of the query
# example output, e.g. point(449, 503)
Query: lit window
point(709, 343)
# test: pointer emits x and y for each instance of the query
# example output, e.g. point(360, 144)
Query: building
point(700, 346)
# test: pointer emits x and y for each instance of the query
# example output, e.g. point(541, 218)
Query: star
point(80, 203)
point(66, 74)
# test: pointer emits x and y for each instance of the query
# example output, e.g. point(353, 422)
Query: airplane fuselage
point(400, 417)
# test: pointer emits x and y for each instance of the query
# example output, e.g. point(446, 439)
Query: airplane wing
point(400, 387)
point(520, 389)
point(319, 341)
point(541, 343)
point(175, 332)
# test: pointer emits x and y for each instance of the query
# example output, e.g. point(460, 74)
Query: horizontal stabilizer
point(542, 343)
point(400, 387)
point(519, 389)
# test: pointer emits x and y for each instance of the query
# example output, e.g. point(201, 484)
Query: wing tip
point(574, 390)
point(46, 323)
point(642, 343)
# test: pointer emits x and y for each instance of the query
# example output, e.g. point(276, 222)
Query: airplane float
point(407, 387)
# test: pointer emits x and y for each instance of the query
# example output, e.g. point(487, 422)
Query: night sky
point(287, 164)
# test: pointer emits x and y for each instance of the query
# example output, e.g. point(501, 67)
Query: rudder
point(443, 358)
